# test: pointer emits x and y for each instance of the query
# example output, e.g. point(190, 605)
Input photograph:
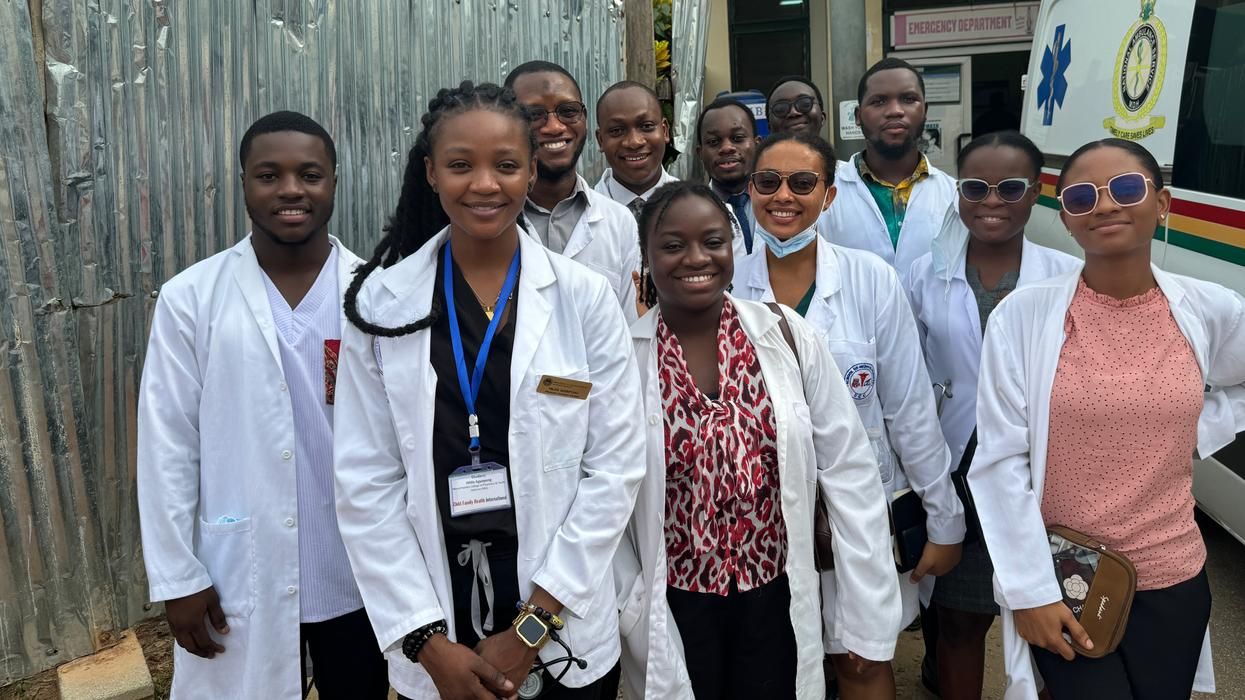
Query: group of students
point(552, 438)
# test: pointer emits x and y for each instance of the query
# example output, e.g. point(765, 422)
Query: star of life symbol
point(1054, 85)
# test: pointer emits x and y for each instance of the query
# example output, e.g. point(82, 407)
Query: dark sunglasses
point(800, 181)
point(802, 104)
point(567, 112)
point(1126, 190)
point(1011, 190)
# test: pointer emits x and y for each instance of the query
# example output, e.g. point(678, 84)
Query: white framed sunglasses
point(1011, 190)
point(1125, 189)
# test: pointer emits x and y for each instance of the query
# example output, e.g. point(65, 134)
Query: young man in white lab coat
point(891, 199)
point(633, 134)
point(235, 444)
point(564, 212)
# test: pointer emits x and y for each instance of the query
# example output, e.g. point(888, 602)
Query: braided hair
point(419, 215)
point(655, 209)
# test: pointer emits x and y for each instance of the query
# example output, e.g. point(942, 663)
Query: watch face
point(531, 629)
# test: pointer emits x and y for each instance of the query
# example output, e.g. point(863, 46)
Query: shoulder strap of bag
point(823, 548)
point(785, 327)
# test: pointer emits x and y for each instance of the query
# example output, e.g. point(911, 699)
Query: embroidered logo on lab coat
point(860, 380)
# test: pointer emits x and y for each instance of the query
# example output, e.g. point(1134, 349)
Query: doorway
point(997, 96)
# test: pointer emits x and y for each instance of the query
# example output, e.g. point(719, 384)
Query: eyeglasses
point(1011, 190)
point(1126, 190)
point(567, 112)
point(802, 104)
point(799, 181)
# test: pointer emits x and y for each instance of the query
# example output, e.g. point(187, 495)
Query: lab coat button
point(289, 522)
point(286, 454)
point(652, 419)
point(409, 445)
point(291, 590)
point(283, 387)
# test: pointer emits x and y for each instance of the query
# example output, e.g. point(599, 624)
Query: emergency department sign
point(1102, 70)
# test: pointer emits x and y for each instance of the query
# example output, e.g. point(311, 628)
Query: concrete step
point(116, 673)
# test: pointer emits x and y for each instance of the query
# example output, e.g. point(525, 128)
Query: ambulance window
point(1210, 136)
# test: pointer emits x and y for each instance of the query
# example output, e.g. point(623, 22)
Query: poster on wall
point(930, 141)
point(1103, 70)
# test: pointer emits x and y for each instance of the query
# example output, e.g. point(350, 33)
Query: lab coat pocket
point(227, 551)
point(882, 451)
point(632, 608)
point(563, 424)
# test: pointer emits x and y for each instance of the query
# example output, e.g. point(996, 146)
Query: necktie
point(740, 205)
point(636, 206)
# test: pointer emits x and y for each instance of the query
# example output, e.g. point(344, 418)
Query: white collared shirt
point(616, 191)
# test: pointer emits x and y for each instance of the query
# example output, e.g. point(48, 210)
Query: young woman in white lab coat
point(858, 309)
point(980, 255)
point(490, 444)
point(742, 436)
point(1096, 388)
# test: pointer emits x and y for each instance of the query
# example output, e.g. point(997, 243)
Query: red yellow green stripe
point(1203, 228)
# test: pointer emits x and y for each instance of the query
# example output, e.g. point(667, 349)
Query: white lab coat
point(950, 326)
point(606, 240)
point(821, 445)
point(854, 220)
point(217, 487)
point(1018, 361)
point(860, 312)
point(575, 464)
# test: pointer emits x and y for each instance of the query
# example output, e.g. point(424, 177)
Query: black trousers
point(739, 645)
point(345, 658)
point(1156, 660)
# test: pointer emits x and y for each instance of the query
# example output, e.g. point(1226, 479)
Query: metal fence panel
point(119, 124)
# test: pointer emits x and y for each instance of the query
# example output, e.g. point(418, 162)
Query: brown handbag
point(823, 549)
point(1098, 584)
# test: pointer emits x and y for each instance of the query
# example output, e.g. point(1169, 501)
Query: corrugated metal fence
point(119, 122)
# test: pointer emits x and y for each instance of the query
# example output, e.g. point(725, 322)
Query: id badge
point(479, 488)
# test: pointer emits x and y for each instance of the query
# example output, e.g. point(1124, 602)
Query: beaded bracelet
point(552, 620)
point(414, 642)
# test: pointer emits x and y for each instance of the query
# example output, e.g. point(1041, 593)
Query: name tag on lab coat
point(479, 488)
point(561, 386)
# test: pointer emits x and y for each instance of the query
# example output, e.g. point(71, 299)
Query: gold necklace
point(488, 308)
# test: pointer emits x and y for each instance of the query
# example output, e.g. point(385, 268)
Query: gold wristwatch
point(533, 631)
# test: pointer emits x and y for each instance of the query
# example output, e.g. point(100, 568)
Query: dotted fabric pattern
point(1125, 405)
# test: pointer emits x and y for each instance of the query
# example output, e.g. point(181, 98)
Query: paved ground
point(1226, 569)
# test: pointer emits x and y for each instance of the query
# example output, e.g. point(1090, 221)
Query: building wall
point(119, 124)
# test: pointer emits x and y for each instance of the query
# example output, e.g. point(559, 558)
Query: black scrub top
point(449, 424)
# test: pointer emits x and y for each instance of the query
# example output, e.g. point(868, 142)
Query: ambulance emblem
point(1140, 67)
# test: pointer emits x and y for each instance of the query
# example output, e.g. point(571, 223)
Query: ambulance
point(1170, 75)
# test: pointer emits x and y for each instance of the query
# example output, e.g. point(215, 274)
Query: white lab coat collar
point(250, 279)
point(412, 296)
point(754, 269)
point(581, 236)
point(615, 190)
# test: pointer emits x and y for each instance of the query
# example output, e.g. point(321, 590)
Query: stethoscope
point(534, 684)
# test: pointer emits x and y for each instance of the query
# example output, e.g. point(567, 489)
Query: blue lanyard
point(471, 390)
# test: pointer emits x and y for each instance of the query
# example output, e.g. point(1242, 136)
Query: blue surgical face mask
point(781, 248)
point(795, 244)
